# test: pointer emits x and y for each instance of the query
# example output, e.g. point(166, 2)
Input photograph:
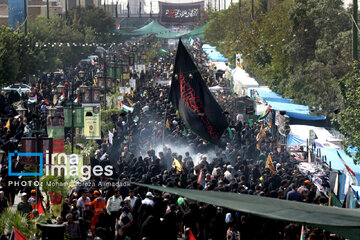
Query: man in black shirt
point(24, 207)
point(3, 202)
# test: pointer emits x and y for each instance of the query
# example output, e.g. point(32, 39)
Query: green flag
point(230, 133)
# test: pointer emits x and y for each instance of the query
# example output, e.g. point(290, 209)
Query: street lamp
point(21, 110)
point(60, 88)
point(82, 88)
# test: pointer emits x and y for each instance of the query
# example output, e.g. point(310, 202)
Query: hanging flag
point(8, 124)
point(62, 98)
point(167, 124)
point(176, 164)
point(201, 178)
point(32, 99)
point(261, 134)
point(16, 235)
point(269, 164)
point(126, 108)
point(191, 235)
point(347, 167)
point(230, 133)
point(192, 98)
point(77, 99)
point(302, 236)
point(264, 114)
point(258, 145)
point(132, 93)
point(38, 207)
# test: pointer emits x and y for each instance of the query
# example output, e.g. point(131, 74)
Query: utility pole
point(224, 4)
point(116, 10)
point(25, 17)
point(72, 115)
point(150, 9)
point(66, 10)
point(252, 10)
point(355, 30)
point(104, 5)
point(47, 9)
point(215, 5)
point(219, 5)
point(240, 8)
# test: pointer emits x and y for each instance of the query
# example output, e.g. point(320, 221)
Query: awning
point(344, 222)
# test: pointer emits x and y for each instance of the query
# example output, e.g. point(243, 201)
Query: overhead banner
point(180, 13)
point(78, 117)
point(92, 121)
point(28, 145)
point(55, 128)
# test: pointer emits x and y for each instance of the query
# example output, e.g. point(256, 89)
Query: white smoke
point(181, 149)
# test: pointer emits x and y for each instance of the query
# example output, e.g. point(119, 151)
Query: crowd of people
point(161, 150)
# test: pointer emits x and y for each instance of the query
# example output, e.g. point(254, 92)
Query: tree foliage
point(9, 55)
point(349, 118)
point(298, 48)
point(59, 34)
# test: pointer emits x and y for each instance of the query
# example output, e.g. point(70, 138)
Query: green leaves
point(9, 55)
point(349, 117)
point(298, 48)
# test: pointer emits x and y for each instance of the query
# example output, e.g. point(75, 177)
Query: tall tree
point(9, 55)
point(349, 117)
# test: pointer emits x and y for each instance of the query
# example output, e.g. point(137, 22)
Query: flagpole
point(163, 133)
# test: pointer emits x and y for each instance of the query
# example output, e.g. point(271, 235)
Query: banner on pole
point(92, 121)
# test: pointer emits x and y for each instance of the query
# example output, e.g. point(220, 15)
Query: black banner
point(182, 13)
point(190, 95)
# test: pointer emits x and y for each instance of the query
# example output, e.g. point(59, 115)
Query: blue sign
point(40, 155)
point(16, 13)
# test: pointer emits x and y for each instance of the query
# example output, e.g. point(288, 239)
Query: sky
point(155, 5)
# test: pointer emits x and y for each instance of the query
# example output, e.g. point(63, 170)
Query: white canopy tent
point(243, 82)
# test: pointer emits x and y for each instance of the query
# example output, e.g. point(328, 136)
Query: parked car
point(19, 87)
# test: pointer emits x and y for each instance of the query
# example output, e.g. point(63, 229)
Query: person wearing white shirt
point(81, 203)
point(114, 205)
point(228, 174)
point(148, 200)
point(131, 199)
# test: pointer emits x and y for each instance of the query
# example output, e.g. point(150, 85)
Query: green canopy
point(342, 221)
point(196, 33)
point(152, 28)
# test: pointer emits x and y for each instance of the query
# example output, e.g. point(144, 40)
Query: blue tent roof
point(293, 141)
point(293, 110)
point(213, 54)
point(336, 163)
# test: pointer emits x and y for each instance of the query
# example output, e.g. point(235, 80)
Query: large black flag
point(190, 95)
